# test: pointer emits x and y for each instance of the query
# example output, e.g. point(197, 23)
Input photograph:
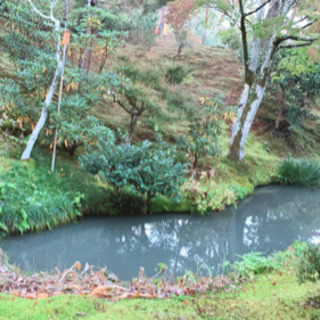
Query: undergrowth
point(300, 172)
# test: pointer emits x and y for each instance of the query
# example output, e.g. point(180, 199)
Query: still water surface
point(270, 220)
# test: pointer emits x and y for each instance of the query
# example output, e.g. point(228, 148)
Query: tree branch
point(293, 46)
point(38, 12)
point(121, 104)
point(235, 21)
point(308, 24)
point(257, 9)
point(243, 30)
point(278, 41)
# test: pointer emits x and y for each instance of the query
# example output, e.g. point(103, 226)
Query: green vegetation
point(309, 264)
point(147, 169)
point(99, 100)
point(270, 291)
point(300, 172)
point(176, 74)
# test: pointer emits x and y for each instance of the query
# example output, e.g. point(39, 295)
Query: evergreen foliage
point(148, 169)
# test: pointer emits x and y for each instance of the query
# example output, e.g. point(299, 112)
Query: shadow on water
point(270, 220)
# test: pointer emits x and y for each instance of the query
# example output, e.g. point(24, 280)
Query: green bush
point(308, 268)
point(147, 169)
point(300, 172)
point(176, 74)
point(230, 38)
point(30, 201)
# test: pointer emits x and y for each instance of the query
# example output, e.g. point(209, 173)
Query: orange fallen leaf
point(43, 295)
point(78, 265)
point(15, 293)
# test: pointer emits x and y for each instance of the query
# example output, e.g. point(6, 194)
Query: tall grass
point(300, 172)
point(32, 199)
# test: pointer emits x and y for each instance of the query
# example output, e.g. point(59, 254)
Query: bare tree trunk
point(44, 112)
point(281, 97)
point(249, 107)
point(43, 117)
point(204, 37)
point(251, 101)
point(87, 52)
point(133, 124)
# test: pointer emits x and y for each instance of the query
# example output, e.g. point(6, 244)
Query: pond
point(269, 220)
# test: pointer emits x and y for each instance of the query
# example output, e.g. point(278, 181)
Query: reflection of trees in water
point(270, 220)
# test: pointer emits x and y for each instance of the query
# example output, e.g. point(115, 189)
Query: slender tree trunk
point(44, 114)
point(204, 37)
point(133, 124)
point(86, 55)
point(280, 113)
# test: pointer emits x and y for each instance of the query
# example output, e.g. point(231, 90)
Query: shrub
point(147, 169)
point(28, 201)
point(176, 74)
point(142, 26)
point(308, 268)
point(205, 127)
point(300, 172)
point(230, 38)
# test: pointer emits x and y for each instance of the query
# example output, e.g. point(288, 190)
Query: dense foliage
point(31, 200)
point(309, 264)
point(300, 172)
point(148, 169)
point(293, 93)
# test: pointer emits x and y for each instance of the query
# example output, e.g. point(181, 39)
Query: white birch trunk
point(242, 125)
point(43, 117)
point(44, 112)
point(249, 119)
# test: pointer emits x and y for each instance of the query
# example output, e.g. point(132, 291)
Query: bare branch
point(51, 17)
point(38, 12)
point(235, 21)
point(293, 46)
point(300, 20)
point(257, 9)
point(278, 41)
point(122, 105)
point(308, 24)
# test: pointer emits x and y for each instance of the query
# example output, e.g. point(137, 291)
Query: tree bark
point(204, 37)
point(249, 105)
point(44, 112)
point(43, 117)
point(133, 124)
point(251, 101)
